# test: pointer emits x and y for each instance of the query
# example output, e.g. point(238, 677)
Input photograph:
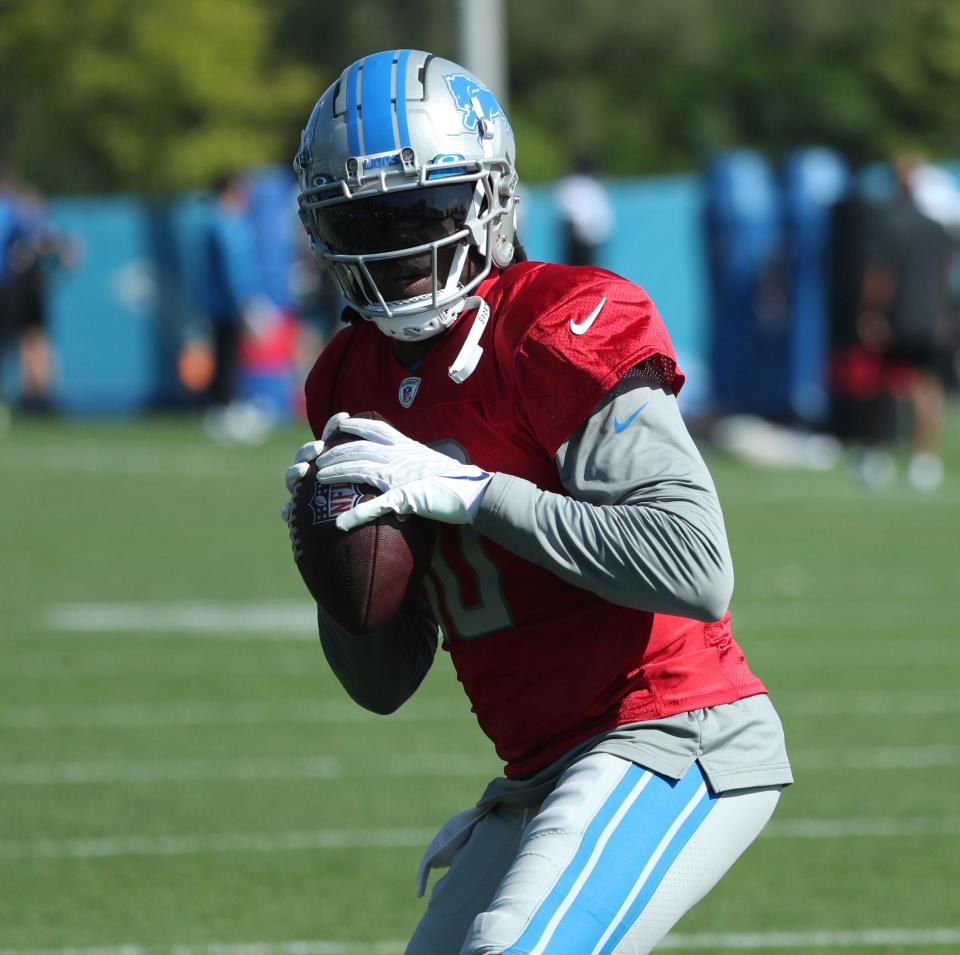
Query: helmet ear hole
point(503, 254)
point(504, 228)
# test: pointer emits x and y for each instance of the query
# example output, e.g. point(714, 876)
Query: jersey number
point(468, 578)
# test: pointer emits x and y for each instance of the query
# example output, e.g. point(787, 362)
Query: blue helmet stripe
point(376, 103)
point(353, 127)
point(402, 127)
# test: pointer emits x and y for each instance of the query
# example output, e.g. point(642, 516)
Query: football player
point(581, 576)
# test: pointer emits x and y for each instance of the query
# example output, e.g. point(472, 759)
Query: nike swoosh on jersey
point(619, 426)
point(465, 477)
point(581, 328)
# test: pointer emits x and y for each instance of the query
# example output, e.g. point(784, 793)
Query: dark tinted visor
point(395, 221)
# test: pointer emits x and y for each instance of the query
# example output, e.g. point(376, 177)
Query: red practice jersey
point(546, 664)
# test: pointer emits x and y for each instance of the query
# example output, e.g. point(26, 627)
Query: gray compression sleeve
point(643, 527)
point(381, 670)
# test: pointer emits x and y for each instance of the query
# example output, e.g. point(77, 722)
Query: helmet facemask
point(406, 258)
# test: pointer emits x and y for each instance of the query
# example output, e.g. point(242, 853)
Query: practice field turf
point(179, 773)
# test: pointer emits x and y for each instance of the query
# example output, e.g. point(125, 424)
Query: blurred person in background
point(937, 193)
point(585, 213)
point(30, 248)
point(318, 304)
point(11, 230)
point(902, 323)
point(537, 427)
point(859, 412)
point(230, 286)
point(234, 305)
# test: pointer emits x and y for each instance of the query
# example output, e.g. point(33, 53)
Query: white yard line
point(869, 703)
point(282, 621)
point(316, 840)
point(248, 769)
point(735, 941)
point(129, 657)
point(215, 844)
point(200, 713)
point(858, 652)
point(863, 827)
point(864, 938)
point(168, 770)
point(882, 757)
point(312, 947)
point(296, 619)
point(203, 713)
point(856, 619)
point(894, 758)
point(118, 461)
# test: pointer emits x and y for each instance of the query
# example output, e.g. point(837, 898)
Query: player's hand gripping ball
point(360, 576)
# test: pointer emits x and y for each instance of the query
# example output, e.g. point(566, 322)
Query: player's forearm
point(380, 671)
point(643, 527)
point(635, 555)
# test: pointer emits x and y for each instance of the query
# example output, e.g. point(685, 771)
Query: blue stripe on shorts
point(613, 874)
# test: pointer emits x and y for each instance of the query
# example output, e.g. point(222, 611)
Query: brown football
point(362, 576)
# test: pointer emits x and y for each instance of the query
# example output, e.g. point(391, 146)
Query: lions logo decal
point(465, 91)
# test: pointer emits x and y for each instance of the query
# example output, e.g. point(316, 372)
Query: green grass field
point(179, 772)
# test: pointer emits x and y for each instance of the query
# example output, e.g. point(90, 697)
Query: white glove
point(307, 453)
point(416, 479)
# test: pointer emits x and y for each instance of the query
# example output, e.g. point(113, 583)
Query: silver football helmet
point(408, 189)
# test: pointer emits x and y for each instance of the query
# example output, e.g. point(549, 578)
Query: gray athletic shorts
point(604, 851)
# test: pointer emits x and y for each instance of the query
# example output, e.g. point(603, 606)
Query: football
point(362, 576)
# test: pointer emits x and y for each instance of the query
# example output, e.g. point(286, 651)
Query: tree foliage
point(152, 95)
point(146, 95)
point(654, 86)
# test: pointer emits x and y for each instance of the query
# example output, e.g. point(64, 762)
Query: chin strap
point(466, 361)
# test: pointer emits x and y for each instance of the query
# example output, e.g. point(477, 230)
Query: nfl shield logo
point(408, 391)
point(331, 500)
